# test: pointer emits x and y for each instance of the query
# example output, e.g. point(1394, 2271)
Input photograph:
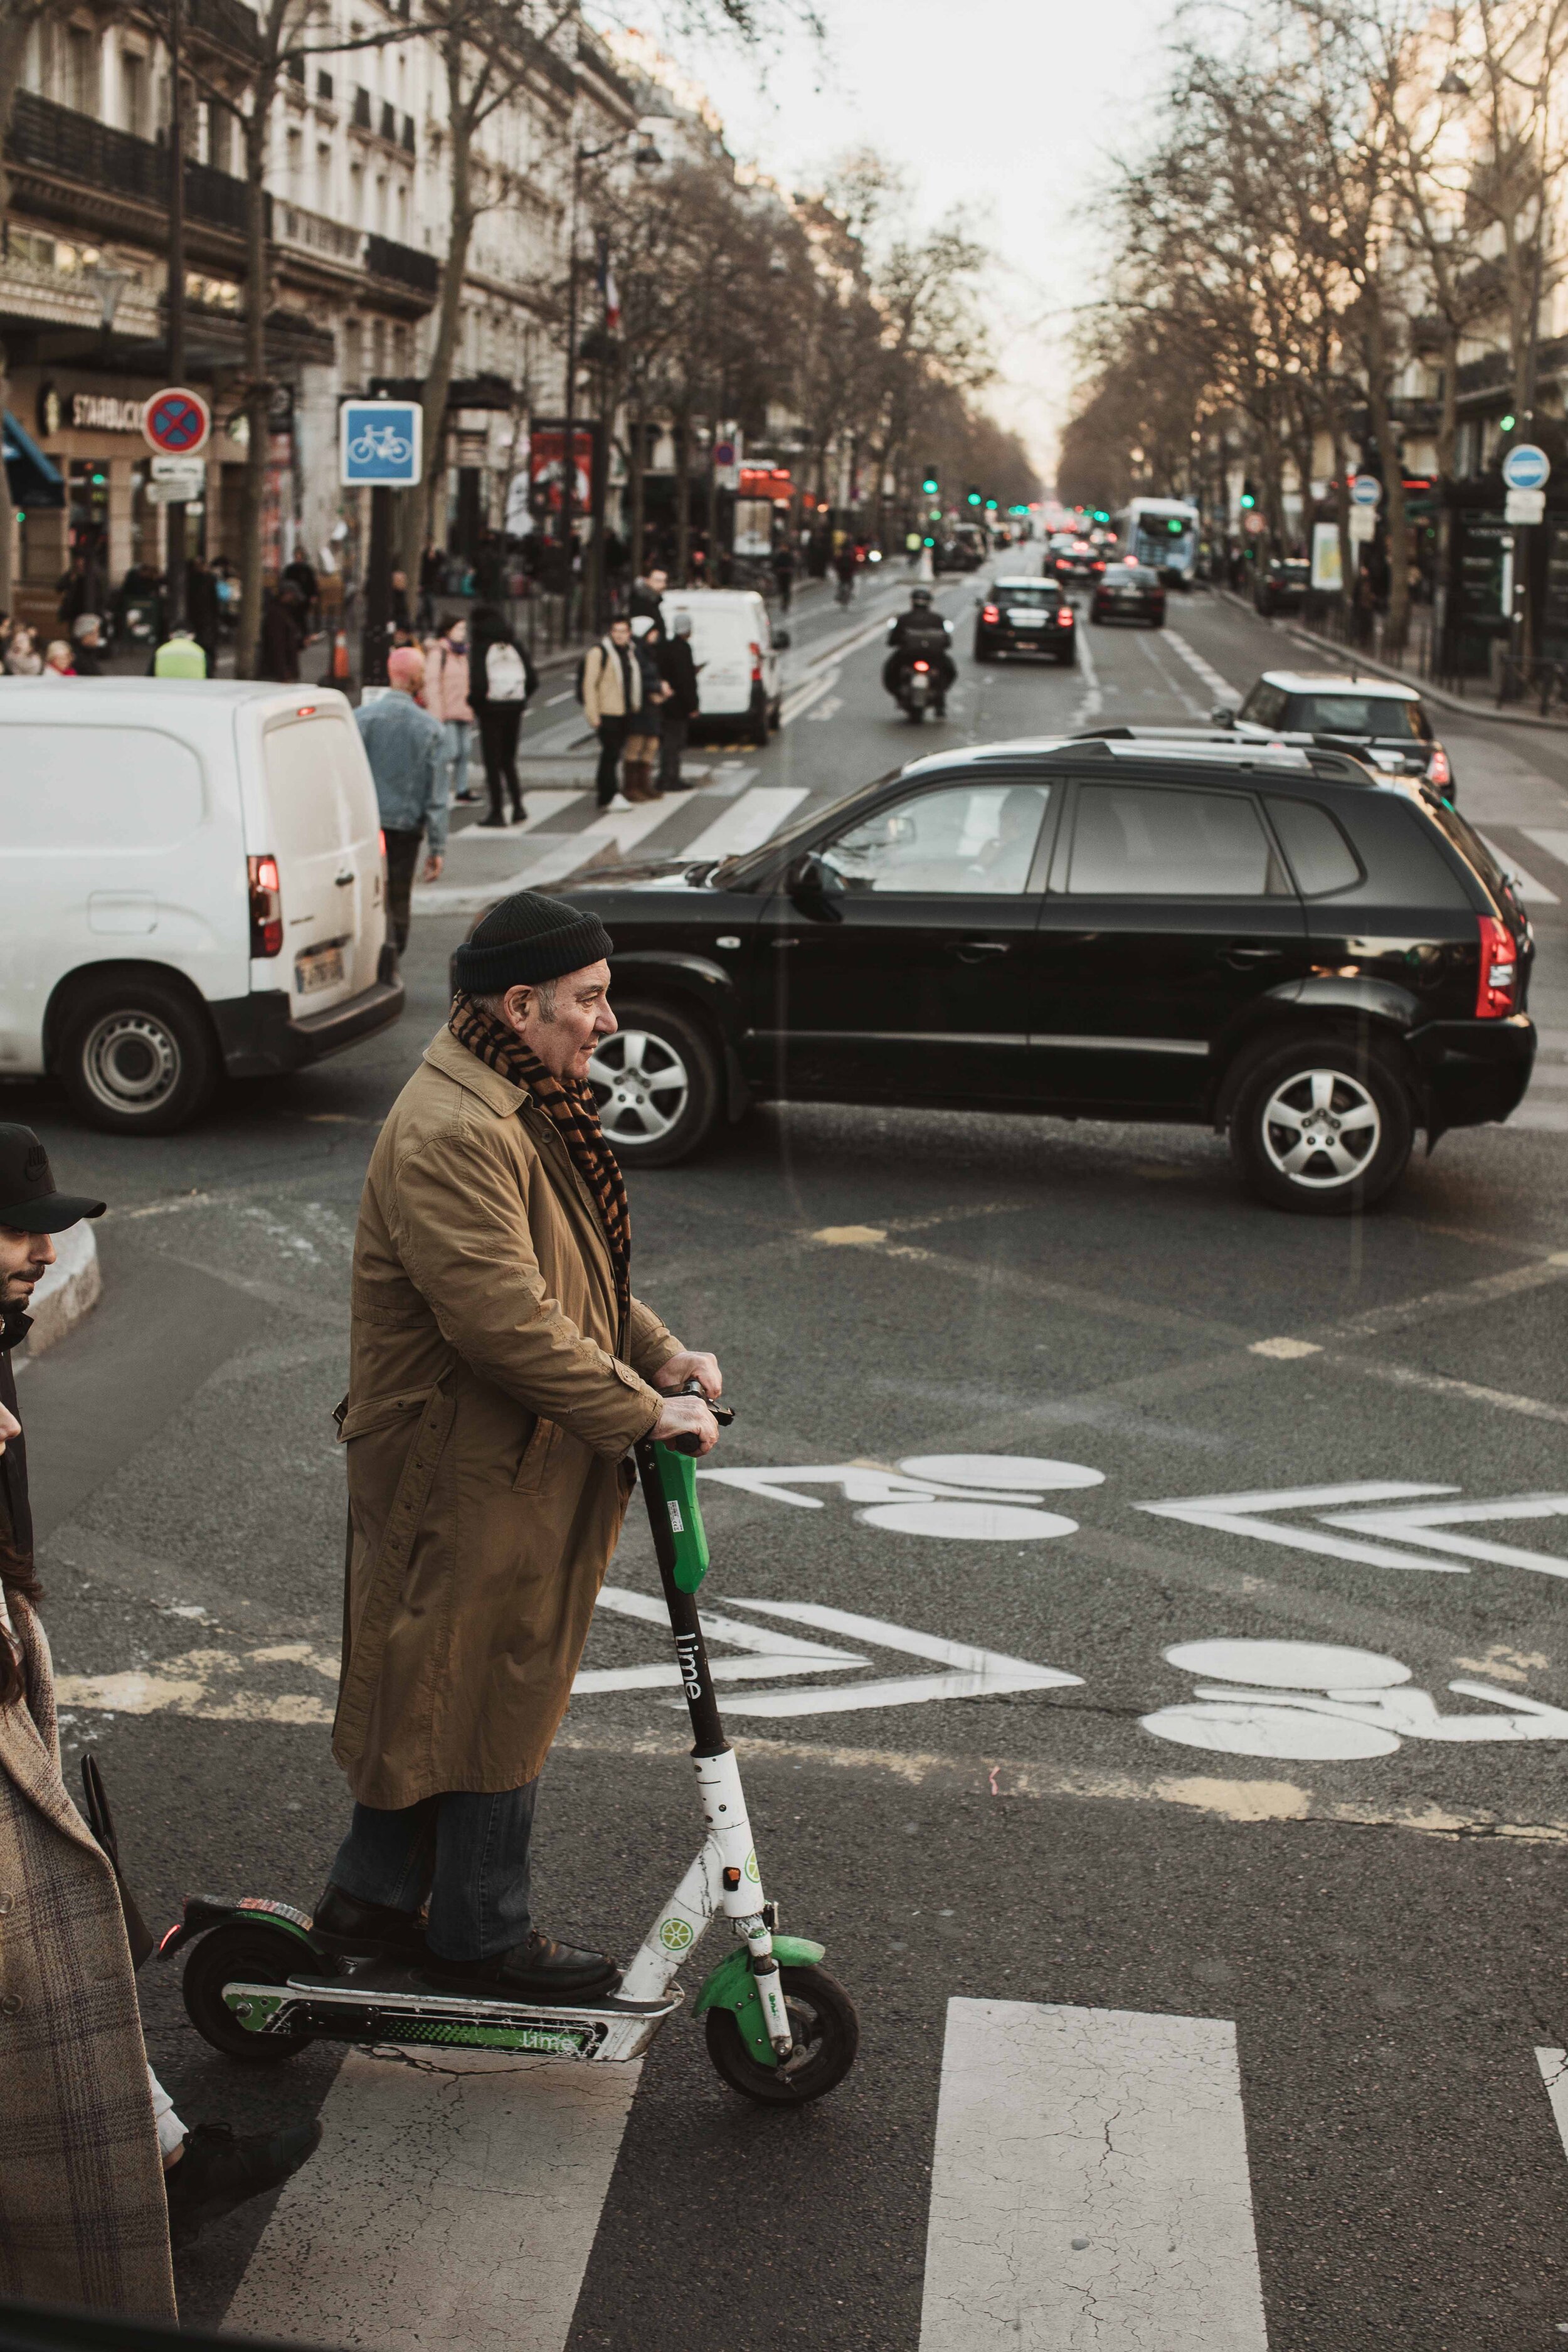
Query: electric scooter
point(260, 1988)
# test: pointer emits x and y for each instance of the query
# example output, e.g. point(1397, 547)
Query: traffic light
point(1507, 424)
point(1175, 525)
point(974, 495)
point(990, 506)
point(931, 483)
point(1248, 498)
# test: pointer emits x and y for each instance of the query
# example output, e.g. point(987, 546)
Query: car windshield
point(1358, 714)
point(1265, 706)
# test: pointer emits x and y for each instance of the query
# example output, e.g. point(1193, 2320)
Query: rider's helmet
point(919, 600)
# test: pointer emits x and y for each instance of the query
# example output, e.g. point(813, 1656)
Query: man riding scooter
point(499, 1371)
point(920, 634)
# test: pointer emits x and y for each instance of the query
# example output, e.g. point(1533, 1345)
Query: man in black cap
point(31, 1214)
point(500, 1370)
point(208, 2171)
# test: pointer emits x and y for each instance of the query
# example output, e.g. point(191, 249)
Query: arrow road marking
point(1236, 1514)
point(976, 1672)
point(1420, 1525)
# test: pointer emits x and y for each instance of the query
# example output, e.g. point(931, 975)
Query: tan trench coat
point(490, 1400)
point(83, 2217)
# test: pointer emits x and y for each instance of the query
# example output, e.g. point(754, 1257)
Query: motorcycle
point(916, 689)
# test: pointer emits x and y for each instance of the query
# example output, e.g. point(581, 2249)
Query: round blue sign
point(1365, 490)
point(1526, 467)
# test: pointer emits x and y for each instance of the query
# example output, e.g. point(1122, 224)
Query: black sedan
point(1281, 586)
point(1272, 943)
point(1026, 617)
point(1130, 592)
point(1077, 561)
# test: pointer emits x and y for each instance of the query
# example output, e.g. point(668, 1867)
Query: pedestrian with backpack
point(500, 680)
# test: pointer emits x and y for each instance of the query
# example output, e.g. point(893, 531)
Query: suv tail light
point(991, 613)
point(266, 907)
point(1497, 993)
point(756, 665)
point(1064, 618)
point(1438, 772)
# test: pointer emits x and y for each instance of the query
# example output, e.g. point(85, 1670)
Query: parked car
point(964, 551)
point(736, 647)
point(1026, 617)
point(1361, 713)
point(1276, 944)
point(1130, 592)
point(1281, 586)
point(191, 883)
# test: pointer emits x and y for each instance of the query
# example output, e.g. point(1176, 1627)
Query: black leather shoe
point(215, 2172)
point(538, 1970)
point(345, 1924)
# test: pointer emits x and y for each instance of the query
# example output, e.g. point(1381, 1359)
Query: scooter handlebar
point(722, 1414)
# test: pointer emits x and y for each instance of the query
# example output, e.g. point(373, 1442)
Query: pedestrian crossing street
point(1089, 2186)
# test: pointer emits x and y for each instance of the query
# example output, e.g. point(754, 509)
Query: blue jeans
point(455, 730)
point(466, 1854)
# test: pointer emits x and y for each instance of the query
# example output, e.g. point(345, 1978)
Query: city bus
point(1162, 534)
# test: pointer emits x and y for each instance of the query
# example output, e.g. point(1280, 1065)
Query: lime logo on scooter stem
point(752, 1872)
point(675, 1934)
point(686, 1657)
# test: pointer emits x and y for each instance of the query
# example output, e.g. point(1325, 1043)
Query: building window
point(323, 83)
point(356, 195)
point(362, 109)
point(296, 67)
point(352, 375)
point(388, 119)
point(81, 68)
point(324, 179)
point(134, 87)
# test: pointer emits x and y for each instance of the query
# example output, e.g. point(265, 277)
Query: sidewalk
point(1349, 656)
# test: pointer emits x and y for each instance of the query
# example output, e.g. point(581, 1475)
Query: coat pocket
point(538, 1458)
point(379, 1413)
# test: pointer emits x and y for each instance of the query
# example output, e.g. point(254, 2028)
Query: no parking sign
point(176, 423)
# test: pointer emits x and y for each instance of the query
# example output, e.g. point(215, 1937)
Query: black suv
point(1273, 942)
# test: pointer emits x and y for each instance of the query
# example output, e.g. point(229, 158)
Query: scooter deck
point(378, 2002)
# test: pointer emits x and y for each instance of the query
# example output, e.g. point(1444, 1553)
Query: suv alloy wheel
point(1322, 1127)
point(656, 1082)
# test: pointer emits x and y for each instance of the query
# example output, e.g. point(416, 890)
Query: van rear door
point(721, 646)
point(324, 830)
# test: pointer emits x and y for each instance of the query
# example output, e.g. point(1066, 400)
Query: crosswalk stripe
point(1527, 881)
point(1554, 2065)
point(1089, 2186)
point(1552, 838)
point(453, 2201)
point(747, 822)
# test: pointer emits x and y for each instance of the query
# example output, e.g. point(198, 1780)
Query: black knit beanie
point(528, 939)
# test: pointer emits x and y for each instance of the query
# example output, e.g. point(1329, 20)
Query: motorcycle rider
point(921, 632)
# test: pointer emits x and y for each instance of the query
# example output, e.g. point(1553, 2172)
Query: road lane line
point(1554, 2065)
point(747, 822)
point(1510, 864)
point(1089, 2186)
point(1201, 669)
point(803, 697)
point(1093, 699)
point(1553, 839)
point(453, 2201)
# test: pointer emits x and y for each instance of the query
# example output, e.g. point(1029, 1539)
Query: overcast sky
point(1006, 106)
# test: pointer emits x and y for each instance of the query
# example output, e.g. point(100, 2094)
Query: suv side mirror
point(781, 641)
point(1222, 715)
point(813, 885)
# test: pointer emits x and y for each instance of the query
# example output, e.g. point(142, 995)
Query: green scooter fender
point(733, 1986)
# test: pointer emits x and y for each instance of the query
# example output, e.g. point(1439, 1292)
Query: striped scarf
point(570, 1103)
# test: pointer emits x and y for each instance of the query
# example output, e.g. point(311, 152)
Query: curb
point(1428, 692)
point(68, 1291)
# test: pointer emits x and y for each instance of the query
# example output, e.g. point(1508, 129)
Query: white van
point(736, 650)
point(191, 883)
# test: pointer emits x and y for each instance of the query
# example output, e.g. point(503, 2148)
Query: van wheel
point(1322, 1127)
point(135, 1058)
point(656, 1082)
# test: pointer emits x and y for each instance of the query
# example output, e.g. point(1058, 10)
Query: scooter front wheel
point(827, 2036)
point(240, 1955)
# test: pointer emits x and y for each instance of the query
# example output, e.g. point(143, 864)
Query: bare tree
point(19, 20)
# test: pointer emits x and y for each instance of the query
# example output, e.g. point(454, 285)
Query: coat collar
point(454, 1061)
point(29, 1748)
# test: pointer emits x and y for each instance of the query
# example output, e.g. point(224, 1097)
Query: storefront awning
point(31, 478)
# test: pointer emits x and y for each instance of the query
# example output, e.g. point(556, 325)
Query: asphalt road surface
point(1183, 1800)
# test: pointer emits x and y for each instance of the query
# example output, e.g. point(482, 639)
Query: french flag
point(608, 289)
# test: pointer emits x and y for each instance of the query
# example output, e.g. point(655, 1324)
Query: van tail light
point(1064, 618)
point(1497, 993)
point(1438, 772)
point(756, 665)
point(266, 907)
point(991, 613)
point(381, 838)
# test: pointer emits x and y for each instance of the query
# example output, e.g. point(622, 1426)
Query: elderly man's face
point(563, 1021)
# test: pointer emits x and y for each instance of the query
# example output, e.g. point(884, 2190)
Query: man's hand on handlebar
point(690, 1366)
point(687, 1419)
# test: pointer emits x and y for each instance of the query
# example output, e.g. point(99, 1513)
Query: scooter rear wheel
point(827, 2036)
point(240, 1955)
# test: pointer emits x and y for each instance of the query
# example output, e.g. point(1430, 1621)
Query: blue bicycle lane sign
point(380, 444)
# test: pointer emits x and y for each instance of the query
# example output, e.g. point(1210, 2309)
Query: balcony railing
point(72, 146)
point(314, 233)
point(402, 264)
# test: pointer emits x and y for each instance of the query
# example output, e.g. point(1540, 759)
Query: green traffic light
point(1507, 424)
point(975, 498)
point(1173, 524)
point(929, 487)
point(1247, 499)
point(929, 543)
